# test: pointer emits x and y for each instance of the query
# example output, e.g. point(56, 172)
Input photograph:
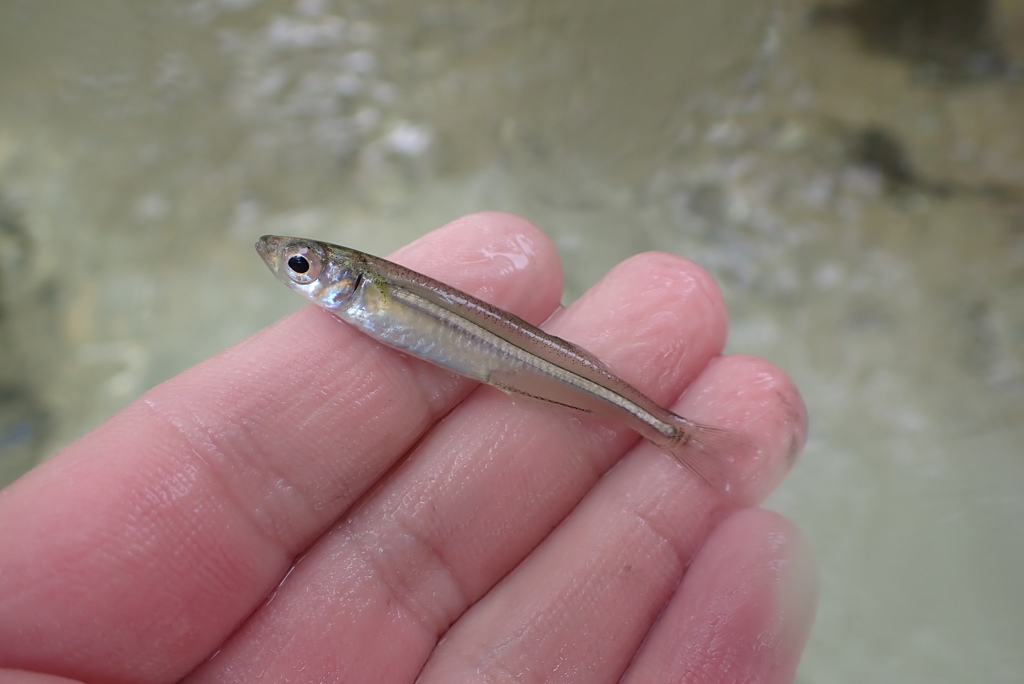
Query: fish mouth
point(269, 247)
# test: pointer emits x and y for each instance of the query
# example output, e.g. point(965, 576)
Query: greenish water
point(853, 174)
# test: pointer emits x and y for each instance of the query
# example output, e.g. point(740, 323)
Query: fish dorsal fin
point(585, 354)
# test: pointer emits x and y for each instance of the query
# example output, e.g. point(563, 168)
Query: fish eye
point(298, 263)
point(303, 265)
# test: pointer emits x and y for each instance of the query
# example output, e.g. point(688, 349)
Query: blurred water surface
point(852, 173)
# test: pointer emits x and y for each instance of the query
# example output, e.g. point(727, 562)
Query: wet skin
point(311, 504)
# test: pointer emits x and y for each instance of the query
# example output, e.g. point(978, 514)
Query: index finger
point(135, 551)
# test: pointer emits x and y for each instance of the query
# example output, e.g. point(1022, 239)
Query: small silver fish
point(427, 319)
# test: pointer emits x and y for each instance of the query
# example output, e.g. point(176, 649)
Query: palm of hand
point(418, 508)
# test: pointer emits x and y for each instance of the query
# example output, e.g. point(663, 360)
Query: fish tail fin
point(708, 451)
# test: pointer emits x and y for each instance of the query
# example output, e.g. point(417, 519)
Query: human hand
point(312, 506)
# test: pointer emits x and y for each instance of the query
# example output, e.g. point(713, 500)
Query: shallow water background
point(852, 173)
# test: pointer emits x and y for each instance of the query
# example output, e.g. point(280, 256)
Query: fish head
point(323, 273)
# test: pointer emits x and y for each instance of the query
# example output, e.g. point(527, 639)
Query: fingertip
point(758, 400)
point(745, 606)
point(514, 251)
point(670, 307)
point(501, 222)
point(772, 404)
point(796, 565)
point(777, 548)
point(758, 575)
point(699, 276)
point(665, 270)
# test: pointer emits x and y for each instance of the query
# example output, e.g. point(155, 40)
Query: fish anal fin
point(515, 391)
